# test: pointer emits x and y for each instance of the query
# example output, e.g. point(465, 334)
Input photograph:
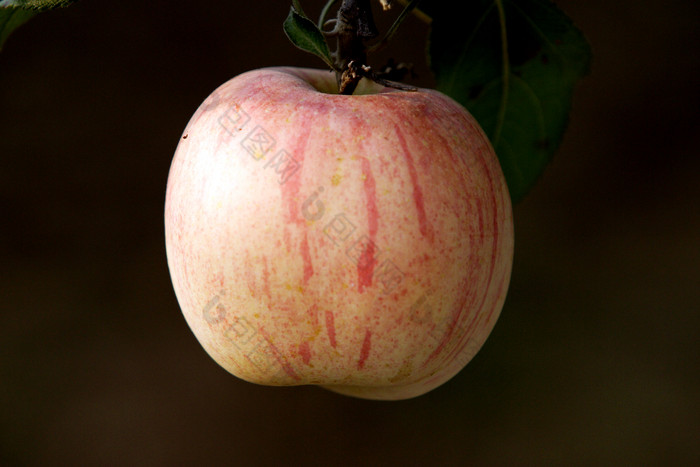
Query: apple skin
point(362, 243)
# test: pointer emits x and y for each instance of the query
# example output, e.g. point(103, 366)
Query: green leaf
point(11, 19)
point(14, 13)
point(513, 64)
point(305, 34)
point(36, 4)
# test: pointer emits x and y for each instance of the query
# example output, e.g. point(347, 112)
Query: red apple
point(363, 243)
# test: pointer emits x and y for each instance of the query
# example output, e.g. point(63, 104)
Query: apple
point(363, 243)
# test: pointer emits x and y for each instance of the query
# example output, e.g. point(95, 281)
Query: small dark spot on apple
point(185, 136)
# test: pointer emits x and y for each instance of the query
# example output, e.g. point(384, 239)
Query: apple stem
point(353, 25)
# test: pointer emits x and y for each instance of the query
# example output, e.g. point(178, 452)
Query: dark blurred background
point(594, 361)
